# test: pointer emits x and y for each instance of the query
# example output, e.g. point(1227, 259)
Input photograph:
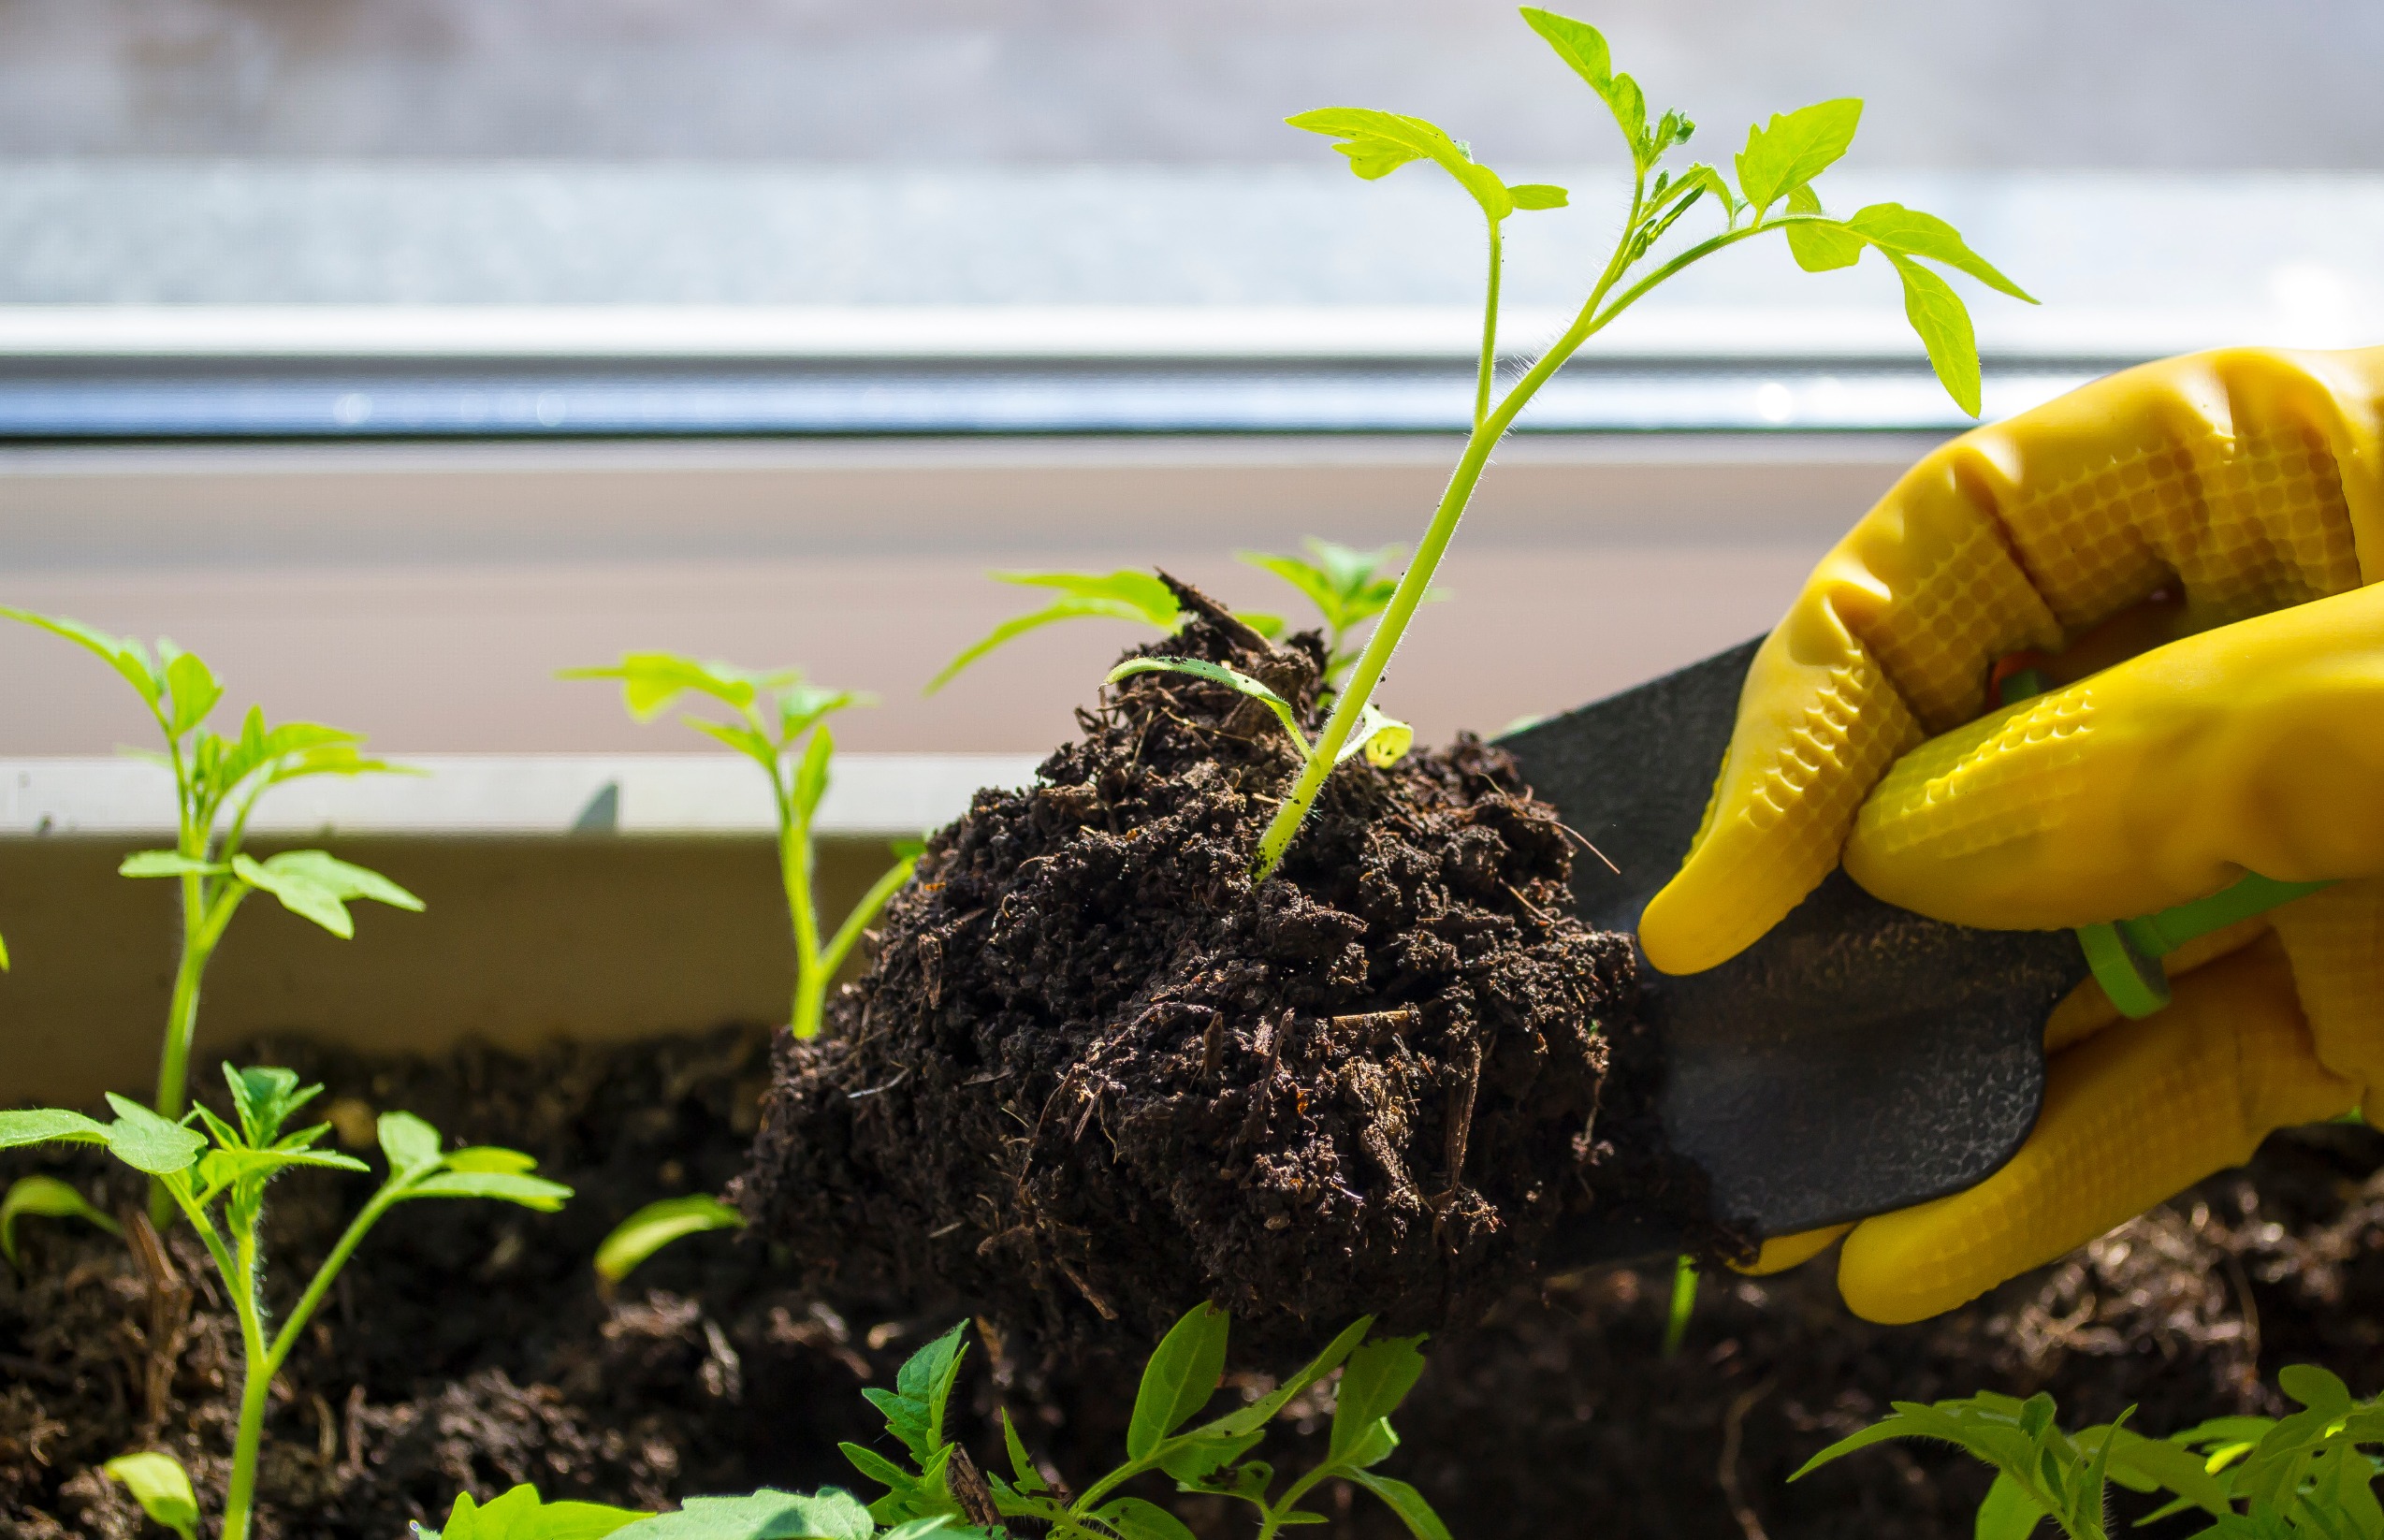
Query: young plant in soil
point(217, 784)
point(1772, 190)
point(779, 722)
point(940, 1489)
point(220, 1191)
point(1347, 586)
point(2307, 1476)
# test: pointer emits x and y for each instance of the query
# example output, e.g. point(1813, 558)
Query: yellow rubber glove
point(2250, 482)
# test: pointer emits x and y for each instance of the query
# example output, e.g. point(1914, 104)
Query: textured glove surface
point(2247, 483)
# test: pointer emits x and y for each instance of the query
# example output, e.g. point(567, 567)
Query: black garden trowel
point(1858, 1058)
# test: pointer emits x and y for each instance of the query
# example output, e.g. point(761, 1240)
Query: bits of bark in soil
point(1103, 1078)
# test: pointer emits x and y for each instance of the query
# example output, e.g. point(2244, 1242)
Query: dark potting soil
point(1096, 1074)
point(469, 1349)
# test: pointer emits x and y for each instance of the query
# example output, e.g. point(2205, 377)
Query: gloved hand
point(2249, 486)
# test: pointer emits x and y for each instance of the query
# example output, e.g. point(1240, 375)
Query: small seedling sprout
point(217, 1180)
point(1684, 1304)
point(655, 1225)
point(162, 1487)
point(217, 784)
point(45, 1198)
point(779, 722)
point(1773, 191)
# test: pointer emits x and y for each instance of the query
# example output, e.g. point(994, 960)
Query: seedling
point(655, 1225)
point(939, 1490)
point(779, 722)
point(1347, 586)
point(1773, 191)
point(162, 1487)
point(1684, 1304)
point(2308, 1477)
point(1210, 1457)
point(217, 783)
point(45, 1198)
point(220, 1191)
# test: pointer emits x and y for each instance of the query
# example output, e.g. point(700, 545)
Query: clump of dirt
point(1096, 1074)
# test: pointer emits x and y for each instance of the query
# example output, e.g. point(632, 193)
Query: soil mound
point(1095, 1075)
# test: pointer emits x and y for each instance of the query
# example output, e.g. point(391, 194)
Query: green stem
point(239, 1493)
point(849, 933)
point(1350, 704)
point(1278, 1511)
point(1489, 329)
point(794, 864)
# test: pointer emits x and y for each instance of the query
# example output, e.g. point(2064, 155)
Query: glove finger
point(2246, 477)
point(2132, 1116)
point(1783, 1251)
point(2335, 940)
point(2160, 779)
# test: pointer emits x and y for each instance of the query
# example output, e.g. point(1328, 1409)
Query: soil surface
point(1097, 1075)
point(469, 1348)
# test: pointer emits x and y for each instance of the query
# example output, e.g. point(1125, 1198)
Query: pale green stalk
point(794, 864)
point(1489, 327)
point(1350, 704)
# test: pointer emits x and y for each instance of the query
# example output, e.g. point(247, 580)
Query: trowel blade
point(1858, 1058)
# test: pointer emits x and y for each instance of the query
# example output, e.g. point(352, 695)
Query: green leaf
point(1030, 1479)
point(1795, 148)
point(1374, 1382)
point(1379, 143)
point(1259, 1412)
point(1121, 595)
point(316, 885)
point(191, 686)
point(811, 773)
point(1194, 1457)
point(2321, 1391)
point(411, 1145)
point(124, 655)
point(878, 1469)
point(1583, 48)
point(168, 864)
point(1382, 739)
point(801, 706)
point(655, 1225)
point(736, 736)
point(147, 1142)
point(531, 1192)
point(1704, 178)
point(2144, 1463)
point(1819, 247)
point(490, 1157)
point(44, 1198)
point(41, 1126)
point(1936, 311)
point(2007, 1513)
point(1135, 1518)
point(519, 1515)
point(1406, 1502)
point(650, 681)
point(1216, 674)
point(162, 1487)
point(766, 1514)
point(914, 1409)
point(1179, 1379)
point(1891, 228)
point(1536, 194)
point(265, 1095)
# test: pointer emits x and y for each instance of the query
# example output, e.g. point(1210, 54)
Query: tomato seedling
point(779, 722)
point(1773, 191)
point(220, 1189)
point(217, 784)
point(2307, 1476)
point(937, 1489)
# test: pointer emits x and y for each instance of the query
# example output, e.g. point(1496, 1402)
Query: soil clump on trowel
point(1095, 1074)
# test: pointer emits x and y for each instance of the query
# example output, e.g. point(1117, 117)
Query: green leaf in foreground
point(655, 1225)
point(517, 1514)
point(1179, 1379)
point(317, 886)
point(1121, 595)
point(765, 1514)
point(44, 1198)
point(162, 1487)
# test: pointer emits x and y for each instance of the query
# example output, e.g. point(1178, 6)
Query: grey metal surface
point(1859, 1057)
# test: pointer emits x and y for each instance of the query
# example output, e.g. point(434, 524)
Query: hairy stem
point(1489, 328)
point(239, 1493)
point(1350, 704)
point(794, 864)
